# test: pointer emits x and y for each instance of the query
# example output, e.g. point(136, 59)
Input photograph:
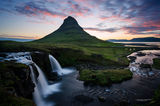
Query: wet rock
point(3, 55)
point(145, 66)
point(83, 98)
point(42, 60)
point(132, 58)
point(140, 54)
point(101, 98)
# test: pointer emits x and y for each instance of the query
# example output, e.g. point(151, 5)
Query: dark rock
point(15, 79)
point(140, 54)
point(42, 60)
point(83, 98)
point(145, 66)
point(132, 58)
point(3, 55)
point(101, 98)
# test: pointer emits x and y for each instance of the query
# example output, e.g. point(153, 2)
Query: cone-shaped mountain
point(70, 32)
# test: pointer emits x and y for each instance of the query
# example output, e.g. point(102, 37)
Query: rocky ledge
point(15, 83)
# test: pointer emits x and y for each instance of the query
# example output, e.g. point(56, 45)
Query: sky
point(105, 19)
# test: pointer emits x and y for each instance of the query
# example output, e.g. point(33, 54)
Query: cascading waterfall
point(36, 94)
point(42, 82)
point(42, 88)
point(55, 65)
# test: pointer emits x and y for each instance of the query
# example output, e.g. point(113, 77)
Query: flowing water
point(63, 93)
point(144, 57)
point(55, 65)
point(42, 89)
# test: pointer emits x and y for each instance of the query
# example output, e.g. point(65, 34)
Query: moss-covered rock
point(7, 99)
point(104, 77)
point(156, 63)
point(16, 82)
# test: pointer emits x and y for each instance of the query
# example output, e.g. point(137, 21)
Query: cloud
point(143, 15)
point(17, 36)
point(111, 30)
point(142, 30)
point(33, 9)
point(132, 16)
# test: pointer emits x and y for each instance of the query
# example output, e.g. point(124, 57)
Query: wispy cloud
point(17, 36)
point(33, 9)
point(140, 16)
point(111, 30)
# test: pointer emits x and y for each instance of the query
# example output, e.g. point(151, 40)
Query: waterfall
point(36, 94)
point(55, 65)
point(42, 88)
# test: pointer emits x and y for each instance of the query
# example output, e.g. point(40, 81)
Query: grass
point(156, 63)
point(110, 52)
point(104, 77)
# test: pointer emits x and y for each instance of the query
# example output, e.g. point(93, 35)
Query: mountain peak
point(70, 23)
point(70, 18)
point(70, 31)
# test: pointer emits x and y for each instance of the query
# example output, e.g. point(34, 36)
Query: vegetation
point(156, 98)
point(7, 99)
point(15, 85)
point(156, 63)
point(105, 77)
point(110, 56)
point(71, 45)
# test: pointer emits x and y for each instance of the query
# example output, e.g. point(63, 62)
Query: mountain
point(146, 39)
point(70, 32)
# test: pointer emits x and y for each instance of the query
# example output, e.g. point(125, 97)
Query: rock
point(145, 66)
point(143, 100)
point(16, 79)
point(132, 58)
point(101, 98)
point(140, 54)
point(42, 60)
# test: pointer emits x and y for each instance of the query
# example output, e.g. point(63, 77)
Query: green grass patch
point(112, 54)
point(104, 77)
point(156, 63)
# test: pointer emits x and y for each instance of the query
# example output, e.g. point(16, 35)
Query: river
point(72, 92)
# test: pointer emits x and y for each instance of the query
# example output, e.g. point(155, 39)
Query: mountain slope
point(71, 32)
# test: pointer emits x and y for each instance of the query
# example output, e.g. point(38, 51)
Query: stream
point(72, 92)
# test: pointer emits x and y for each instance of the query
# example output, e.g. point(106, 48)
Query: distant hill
point(147, 39)
point(15, 39)
point(70, 32)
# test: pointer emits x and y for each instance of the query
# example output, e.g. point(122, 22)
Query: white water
point(36, 94)
point(146, 59)
point(42, 89)
point(55, 65)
